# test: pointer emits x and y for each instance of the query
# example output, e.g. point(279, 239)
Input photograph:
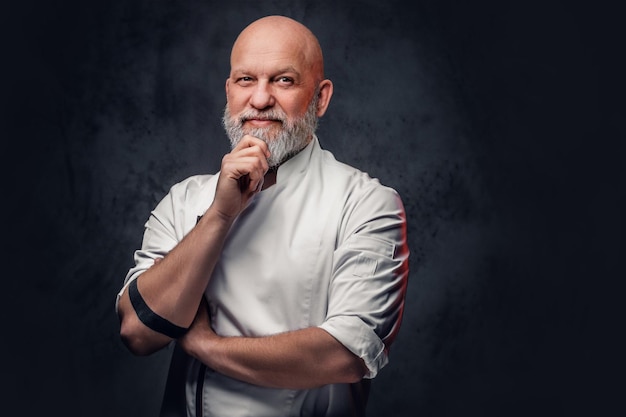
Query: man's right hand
point(241, 176)
point(174, 288)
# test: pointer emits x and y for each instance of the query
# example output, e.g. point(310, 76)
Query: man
point(283, 276)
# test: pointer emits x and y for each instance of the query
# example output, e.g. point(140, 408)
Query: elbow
point(134, 344)
point(352, 370)
point(138, 339)
point(135, 339)
point(356, 370)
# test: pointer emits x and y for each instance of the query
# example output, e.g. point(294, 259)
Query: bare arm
point(173, 288)
point(299, 359)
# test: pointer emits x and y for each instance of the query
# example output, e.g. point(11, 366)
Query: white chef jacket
point(325, 246)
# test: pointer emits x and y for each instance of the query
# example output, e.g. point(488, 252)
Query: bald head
point(275, 34)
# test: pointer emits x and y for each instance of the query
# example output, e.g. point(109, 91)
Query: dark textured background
point(488, 117)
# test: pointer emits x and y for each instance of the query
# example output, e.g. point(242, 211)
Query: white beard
point(284, 142)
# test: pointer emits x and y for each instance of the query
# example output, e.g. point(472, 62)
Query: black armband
point(149, 317)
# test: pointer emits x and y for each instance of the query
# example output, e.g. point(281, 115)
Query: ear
point(326, 92)
point(227, 85)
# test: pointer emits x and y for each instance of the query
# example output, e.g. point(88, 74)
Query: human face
point(270, 71)
point(290, 139)
point(271, 92)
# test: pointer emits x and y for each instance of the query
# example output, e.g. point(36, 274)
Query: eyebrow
point(290, 68)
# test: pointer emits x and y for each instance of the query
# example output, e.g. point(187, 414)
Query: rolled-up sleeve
point(370, 271)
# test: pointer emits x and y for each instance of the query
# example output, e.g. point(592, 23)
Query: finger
point(252, 152)
point(236, 167)
point(251, 147)
point(249, 141)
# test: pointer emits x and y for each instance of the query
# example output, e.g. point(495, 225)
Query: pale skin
point(275, 63)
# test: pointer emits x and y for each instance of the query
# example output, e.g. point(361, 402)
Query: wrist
point(220, 217)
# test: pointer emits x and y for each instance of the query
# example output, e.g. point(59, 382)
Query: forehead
point(267, 49)
point(249, 57)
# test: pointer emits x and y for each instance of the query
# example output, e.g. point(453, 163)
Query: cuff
point(359, 339)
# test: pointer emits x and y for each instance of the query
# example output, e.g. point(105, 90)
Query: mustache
point(272, 114)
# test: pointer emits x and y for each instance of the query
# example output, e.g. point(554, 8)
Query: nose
point(262, 97)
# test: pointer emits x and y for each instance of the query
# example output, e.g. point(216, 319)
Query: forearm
point(298, 360)
point(173, 287)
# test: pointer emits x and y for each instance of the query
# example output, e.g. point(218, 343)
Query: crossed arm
point(174, 288)
point(300, 359)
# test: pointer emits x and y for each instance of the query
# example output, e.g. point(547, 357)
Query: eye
point(284, 81)
point(244, 81)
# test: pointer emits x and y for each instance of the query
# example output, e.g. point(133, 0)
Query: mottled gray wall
point(483, 115)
